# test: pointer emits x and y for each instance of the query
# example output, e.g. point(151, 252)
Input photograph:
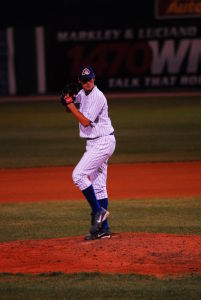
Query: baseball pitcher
point(89, 106)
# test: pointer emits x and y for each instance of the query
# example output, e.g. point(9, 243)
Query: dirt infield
point(124, 181)
point(139, 253)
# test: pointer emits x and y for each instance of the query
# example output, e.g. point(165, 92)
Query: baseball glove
point(70, 90)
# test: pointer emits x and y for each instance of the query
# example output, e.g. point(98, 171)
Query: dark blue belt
point(112, 133)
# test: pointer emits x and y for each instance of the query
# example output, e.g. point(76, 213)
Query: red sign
point(168, 9)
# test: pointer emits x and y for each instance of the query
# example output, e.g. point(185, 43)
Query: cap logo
point(85, 72)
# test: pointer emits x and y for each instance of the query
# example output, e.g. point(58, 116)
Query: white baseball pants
point(92, 167)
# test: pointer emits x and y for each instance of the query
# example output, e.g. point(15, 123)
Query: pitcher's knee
point(80, 180)
point(76, 177)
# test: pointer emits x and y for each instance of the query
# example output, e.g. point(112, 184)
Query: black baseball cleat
point(98, 220)
point(101, 234)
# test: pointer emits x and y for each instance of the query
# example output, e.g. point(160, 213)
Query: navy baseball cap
point(86, 73)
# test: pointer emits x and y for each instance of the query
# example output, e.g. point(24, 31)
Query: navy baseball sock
point(91, 198)
point(104, 204)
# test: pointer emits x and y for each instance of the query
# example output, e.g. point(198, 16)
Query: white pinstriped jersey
point(95, 108)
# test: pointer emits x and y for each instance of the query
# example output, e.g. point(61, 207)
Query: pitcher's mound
point(139, 253)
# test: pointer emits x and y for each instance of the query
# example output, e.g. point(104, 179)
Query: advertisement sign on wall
point(168, 9)
point(158, 57)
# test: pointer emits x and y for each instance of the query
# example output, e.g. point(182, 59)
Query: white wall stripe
point(40, 57)
point(11, 62)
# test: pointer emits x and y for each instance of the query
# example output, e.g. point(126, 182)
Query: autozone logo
point(177, 8)
point(139, 58)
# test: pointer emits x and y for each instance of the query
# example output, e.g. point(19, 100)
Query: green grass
point(54, 219)
point(97, 286)
point(152, 129)
point(42, 134)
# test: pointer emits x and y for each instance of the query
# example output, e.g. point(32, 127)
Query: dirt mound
point(139, 253)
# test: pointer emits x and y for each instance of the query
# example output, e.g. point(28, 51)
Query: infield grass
point(54, 219)
point(98, 286)
point(42, 134)
point(146, 129)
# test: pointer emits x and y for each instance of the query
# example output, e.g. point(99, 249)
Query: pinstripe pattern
point(94, 107)
point(92, 168)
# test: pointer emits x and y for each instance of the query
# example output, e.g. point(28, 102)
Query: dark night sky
point(97, 13)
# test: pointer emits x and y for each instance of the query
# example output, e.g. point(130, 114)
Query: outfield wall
point(159, 55)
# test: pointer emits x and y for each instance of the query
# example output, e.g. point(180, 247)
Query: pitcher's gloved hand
point(69, 93)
